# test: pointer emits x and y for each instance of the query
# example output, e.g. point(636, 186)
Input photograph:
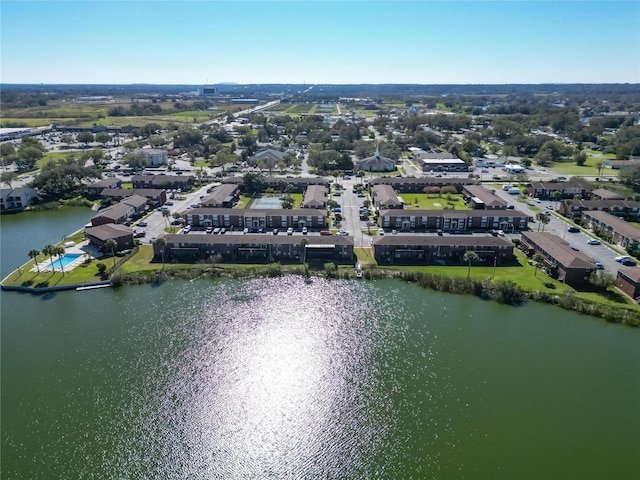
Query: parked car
point(599, 266)
point(168, 202)
point(223, 231)
point(275, 231)
point(142, 224)
point(628, 263)
point(209, 230)
point(573, 229)
point(381, 232)
point(290, 231)
point(186, 229)
point(304, 230)
point(593, 241)
point(245, 231)
point(343, 233)
point(621, 258)
point(325, 232)
point(216, 231)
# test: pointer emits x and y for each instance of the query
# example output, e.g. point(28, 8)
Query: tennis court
point(266, 202)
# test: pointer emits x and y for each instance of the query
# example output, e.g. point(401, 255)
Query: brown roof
point(255, 212)
point(264, 238)
point(385, 195)
point(558, 249)
point(488, 197)
point(618, 225)
point(445, 240)
point(605, 194)
point(632, 273)
point(107, 231)
point(315, 195)
point(220, 193)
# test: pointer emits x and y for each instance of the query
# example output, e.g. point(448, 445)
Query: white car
point(290, 231)
point(622, 258)
point(304, 230)
point(381, 232)
point(343, 233)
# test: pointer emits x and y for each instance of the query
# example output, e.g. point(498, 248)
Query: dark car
point(628, 263)
point(573, 229)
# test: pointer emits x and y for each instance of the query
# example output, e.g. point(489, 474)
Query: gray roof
point(256, 212)
point(220, 193)
point(385, 195)
point(605, 194)
point(454, 213)
point(315, 195)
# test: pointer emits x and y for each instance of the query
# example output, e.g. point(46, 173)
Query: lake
point(278, 378)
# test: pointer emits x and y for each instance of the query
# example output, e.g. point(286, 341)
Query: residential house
point(615, 229)
point(384, 197)
point(604, 194)
point(316, 196)
point(622, 208)
point(184, 182)
point(567, 265)
point(222, 196)
point(628, 281)
point(156, 195)
point(454, 220)
point(634, 162)
point(15, 199)
point(482, 198)
point(99, 235)
point(546, 190)
point(121, 212)
point(257, 247)
point(110, 182)
point(269, 156)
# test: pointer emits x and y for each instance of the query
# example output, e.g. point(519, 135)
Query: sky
point(334, 42)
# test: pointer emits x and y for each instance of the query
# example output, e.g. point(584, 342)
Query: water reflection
point(278, 380)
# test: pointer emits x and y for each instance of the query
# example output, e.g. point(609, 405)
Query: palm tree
point(59, 252)
point(469, 257)
point(161, 242)
point(49, 250)
point(542, 219)
point(111, 244)
point(303, 244)
point(33, 254)
point(538, 261)
point(165, 215)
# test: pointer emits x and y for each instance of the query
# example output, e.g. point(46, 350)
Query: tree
point(469, 257)
point(111, 244)
point(7, 149)
point(102, 268)
point(103, 138)
point(601, 280)
point(580, 157)
point(538, 262)
point(59, 252)
point(287, 202)
point(49, 250)
point(68, 139)
point(165, 215)
point(8, 177)
point(85, 137)
point(303, 245)
point(556, 195)
point(33, 254)
point(543, 220)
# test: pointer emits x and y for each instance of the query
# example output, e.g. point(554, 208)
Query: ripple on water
point(277, 377)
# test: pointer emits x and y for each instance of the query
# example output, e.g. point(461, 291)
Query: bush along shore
point(502, 291)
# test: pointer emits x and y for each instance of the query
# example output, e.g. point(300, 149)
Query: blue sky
point(427, 42)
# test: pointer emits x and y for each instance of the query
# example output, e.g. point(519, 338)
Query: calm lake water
point(277, 378)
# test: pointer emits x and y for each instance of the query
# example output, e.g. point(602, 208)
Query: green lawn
point(424, 202)
point(365, 256)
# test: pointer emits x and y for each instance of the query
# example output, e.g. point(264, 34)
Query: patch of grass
point(365, 256)
point(80, 274)
point(243, 202)
point(428, 202)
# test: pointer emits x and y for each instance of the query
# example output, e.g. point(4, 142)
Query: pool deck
point(81, 249)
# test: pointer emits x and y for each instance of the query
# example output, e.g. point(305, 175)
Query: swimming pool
point(64, 261)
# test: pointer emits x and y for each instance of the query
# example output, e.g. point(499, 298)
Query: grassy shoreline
point(512, 285)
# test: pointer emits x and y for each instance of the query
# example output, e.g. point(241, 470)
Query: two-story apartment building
point(454, 220)
point(429, 249)
point(569, 266)
point(615, 229)
point(15, 199)
point(257, 247)
point(255, 219)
